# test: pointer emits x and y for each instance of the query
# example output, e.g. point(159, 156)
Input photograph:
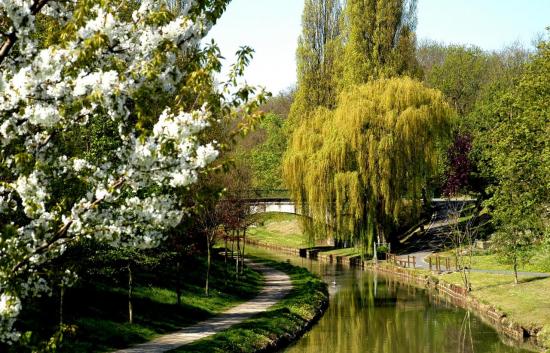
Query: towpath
point(276, 286)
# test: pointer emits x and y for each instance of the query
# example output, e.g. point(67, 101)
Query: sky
point(272, 27)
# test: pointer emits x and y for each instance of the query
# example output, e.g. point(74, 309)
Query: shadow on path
point(277, 285)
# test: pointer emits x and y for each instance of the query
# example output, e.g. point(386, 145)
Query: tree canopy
point(316, 57)
point(355, 168)
point(512, 136)
point(135, 73)
point(379, 40)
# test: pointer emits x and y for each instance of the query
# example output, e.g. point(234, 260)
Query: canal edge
point(457, 295)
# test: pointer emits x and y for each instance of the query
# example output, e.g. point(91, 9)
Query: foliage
point(316, 57)
point(281, 103)
point(353, 170)
point(266, 158)
point(288, 318)
point(468, 77)
point(463, 72)
point(460, 75)
point(134, 72)
point(379, 40)
point(517, 154)
point(458, 164)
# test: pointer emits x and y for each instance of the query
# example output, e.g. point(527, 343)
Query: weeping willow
point(355, 170)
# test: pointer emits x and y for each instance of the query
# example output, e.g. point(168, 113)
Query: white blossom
point(50, 94)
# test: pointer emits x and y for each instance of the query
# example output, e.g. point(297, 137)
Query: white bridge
point(282, 206)
point(285, 205)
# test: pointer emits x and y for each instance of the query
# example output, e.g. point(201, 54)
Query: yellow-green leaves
point(360, 164)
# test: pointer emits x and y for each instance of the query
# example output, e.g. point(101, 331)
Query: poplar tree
point(379, 40)
point(357, 169)
point(316, 57)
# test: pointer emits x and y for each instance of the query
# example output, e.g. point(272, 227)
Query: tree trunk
point(233, 244)
point(225, 249)
point(244, 244)
point(238, 255)
point(61, 299)
point(178, 288)
point(225, 258)
point(208, 246)
point(516, 271)
point(130, 310)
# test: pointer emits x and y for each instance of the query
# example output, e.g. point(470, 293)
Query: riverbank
point(521, 312)
point(96, 312)
point(280, 325)
point(518, 311)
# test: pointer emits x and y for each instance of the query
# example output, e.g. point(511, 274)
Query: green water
point(376, 314)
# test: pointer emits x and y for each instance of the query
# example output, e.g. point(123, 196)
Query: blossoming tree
point(110, 62)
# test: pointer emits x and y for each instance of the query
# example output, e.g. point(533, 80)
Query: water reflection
point(376, 314)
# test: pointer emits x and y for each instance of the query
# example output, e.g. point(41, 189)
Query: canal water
point(370, 313)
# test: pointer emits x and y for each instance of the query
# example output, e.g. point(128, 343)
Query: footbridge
point(272, 200)
point(278, 200)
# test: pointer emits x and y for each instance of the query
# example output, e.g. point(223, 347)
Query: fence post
point(430, 262)
point(414, 261)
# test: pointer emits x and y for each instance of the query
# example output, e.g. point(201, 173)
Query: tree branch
point(61, 233)
point(12, 37)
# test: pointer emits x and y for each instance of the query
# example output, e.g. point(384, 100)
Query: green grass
point(99, 311)
point(279, 229)
point(343, 252)
point(539, 263)
point(288, 317)
point(525, 303)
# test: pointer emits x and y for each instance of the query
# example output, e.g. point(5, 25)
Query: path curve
point(276, 286)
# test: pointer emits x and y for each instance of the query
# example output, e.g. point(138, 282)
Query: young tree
point(133, 66)
point(462, 235)
point(355, 169)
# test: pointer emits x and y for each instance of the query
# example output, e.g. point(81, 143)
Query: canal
point(370, 313)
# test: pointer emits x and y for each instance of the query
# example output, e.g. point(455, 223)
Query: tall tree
point(516, 149)
point(379, 40)
point(316, 57)
point(105, 71)
point(356, 169)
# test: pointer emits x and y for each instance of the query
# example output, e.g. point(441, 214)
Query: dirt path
point(277, 285)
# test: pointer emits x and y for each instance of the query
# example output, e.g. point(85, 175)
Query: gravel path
point(277, 285)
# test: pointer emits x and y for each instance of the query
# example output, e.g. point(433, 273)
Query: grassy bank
point(284, 230)
point(277, 326)
point(279, 229)
point(526, 303)
point(97, 311)
point(487, 261)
